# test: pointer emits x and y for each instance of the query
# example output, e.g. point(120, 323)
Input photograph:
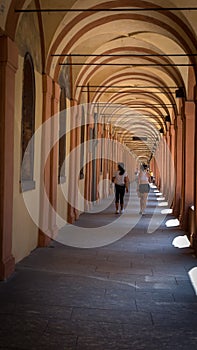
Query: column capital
point(47, 84)
point(172, 129)
point(56, 90)
point(9, 52)
point(178, 120)
point(195, 93)
point(190, 107)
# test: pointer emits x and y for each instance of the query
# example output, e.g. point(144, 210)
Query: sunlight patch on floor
point(166, 211)
point(181, 242)
point(172, 223)
point(163, 204)
point(153, 186)
point(160, 199)
point(193, 277)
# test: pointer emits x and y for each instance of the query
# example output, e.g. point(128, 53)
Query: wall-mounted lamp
point(180, 92)
point(167, 118)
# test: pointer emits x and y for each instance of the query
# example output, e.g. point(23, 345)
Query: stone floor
point(132, 294)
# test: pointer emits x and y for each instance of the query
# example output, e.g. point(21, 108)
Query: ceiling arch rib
point(151, 25)
point(128, 81)
point(115, 97)
point(123, 117)
point(135, 80)
point(79, 15)
point(124, 31)
point(153, 102)
point(167, 16)
point(122, 114)
point(137, 123)
point(91, 71)
point(132, 124)
point(145, 94)
point(168, 73)
point(139, 136)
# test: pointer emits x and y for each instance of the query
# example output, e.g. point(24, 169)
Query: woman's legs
point(143, 200)
point(122, 193)
point(117, 188)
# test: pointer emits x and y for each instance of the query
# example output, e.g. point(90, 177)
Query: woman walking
point(143, 187)
point(121, 182)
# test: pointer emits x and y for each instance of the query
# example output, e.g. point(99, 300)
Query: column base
point(71, 215)
point(176, 212)
point(194, 243)
point(43, 239)
point(7, 268)
point(76, 214)
point(184, 220)
point(71, 219)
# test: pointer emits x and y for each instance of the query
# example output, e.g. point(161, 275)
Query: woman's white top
point(143, 177)
point(119, 179)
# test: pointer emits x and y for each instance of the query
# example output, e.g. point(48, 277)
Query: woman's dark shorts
point(144, 188)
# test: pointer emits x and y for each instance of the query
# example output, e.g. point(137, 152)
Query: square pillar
point(8, 67)
point(178, 163)
point(188, 162)
point(44, 231)
point(74, 159)
point(195, 182)
point(54, 156)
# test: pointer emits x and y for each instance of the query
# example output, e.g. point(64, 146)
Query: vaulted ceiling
point(128, 57)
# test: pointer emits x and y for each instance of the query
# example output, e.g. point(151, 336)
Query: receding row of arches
point(98, 83)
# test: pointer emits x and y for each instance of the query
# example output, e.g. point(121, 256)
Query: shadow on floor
point(132, 294)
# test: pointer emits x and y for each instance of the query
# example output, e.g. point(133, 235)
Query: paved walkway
point(133, 294)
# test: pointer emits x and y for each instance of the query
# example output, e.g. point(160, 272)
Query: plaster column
point(157, 161)
point(172, 164)
point(152, 166)
point(110, 162)
point(160, 157)
point(88, 171)
point(90, 130)
point(8, 67)
point(105, 174)
point(167, 169)
point(178, 164)
point(163, 165)
point(156, 173)
point(77, 133)
point(99, 155)
point(45, 233)
point(54, 155)
point(189, 161)
point(72, 172)
point(195, 182)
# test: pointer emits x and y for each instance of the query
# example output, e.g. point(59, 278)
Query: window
point(28, 125)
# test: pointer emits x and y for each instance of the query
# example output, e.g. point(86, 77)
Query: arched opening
point(28, 125)
point(62, 139)
point(82, 149)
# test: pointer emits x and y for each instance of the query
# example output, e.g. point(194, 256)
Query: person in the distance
point(121, 181)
